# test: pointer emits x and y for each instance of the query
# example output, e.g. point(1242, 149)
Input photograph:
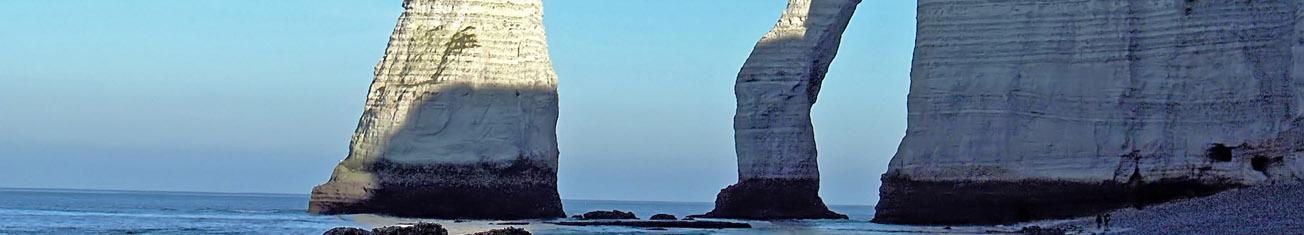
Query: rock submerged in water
point(775, 142)
point(416, 229)
point(658, 224)
point(504, 231)
point(613, 214)
point(1095, 105)
point(346, 231)
point(419, 229)
point(663, 217)
point(460, 121)
point(1038, 230)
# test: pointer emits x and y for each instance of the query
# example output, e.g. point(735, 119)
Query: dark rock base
point(904, 201)
point(515, 191)
point(529, 202)
point(768, 199)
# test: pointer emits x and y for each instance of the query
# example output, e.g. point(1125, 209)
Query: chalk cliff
point(1028, 109)
point(460, 121)
point(778, 84)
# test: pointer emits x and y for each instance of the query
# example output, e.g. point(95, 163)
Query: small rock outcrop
point(776, 88)
point(1023, 109)
point(416, 229)
point(504, 231)
point(663, 217)
point(460, 121)
point(613, 214)
point(1038, 230)
point(419, 229)
point(657, 224)
point(346, 231)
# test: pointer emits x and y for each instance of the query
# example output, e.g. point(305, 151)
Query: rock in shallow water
point(460, 121)
point(663, 217)
point(614, 214)
point(1023, 110)
point(416, 229)
point(776, 88)
point(346, 231)
point(419, 229)
point(504, 231)
point(658, 224)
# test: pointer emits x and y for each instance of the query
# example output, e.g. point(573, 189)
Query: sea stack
point(777, 173)
point(1028, 109)
point(460, 121)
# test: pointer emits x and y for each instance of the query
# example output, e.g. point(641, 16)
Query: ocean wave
point(253, 211)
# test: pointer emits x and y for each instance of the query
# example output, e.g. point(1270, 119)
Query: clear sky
point(263, 96)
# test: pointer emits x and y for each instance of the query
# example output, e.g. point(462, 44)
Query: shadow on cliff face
point(776, 89)
point(449, 130)
point(460, 151)
point(1005, 202)
point(910, 201)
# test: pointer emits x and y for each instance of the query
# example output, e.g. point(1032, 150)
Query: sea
point(70, 211)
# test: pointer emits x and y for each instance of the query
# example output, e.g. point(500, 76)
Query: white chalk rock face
point(1030, 109)
point(460, 121)
point(778, 84)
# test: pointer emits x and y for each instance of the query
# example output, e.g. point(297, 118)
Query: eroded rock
point(460, 121)
point(776, 88)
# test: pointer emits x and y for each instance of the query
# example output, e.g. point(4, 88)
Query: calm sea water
point(58, 211)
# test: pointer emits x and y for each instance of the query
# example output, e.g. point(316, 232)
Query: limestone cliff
point(778, 84)
point(460, 121)
point(1028, 109)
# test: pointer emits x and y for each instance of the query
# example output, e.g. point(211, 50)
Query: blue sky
point(262, 96)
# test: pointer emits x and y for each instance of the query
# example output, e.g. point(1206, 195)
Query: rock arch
point(778, 176)
point(460, 121)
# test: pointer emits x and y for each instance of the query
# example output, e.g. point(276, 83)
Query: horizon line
point(7, 188)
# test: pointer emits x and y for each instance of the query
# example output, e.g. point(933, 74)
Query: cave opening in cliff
point(1261, 163)
point(1220, 152)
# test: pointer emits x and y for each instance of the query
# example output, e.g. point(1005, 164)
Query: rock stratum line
point(1023, 109)
point(460, 121)
point(777, 173)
